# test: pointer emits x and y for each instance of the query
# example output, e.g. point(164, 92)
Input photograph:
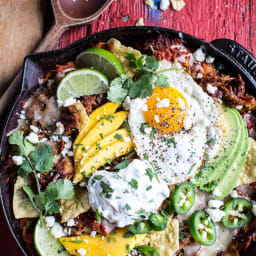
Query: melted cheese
point(224, 238)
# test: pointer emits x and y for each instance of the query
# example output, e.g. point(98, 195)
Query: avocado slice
point(213, 169)
point(230, 158)
point(229, 181)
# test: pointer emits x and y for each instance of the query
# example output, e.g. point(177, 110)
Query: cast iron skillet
point(227, 53)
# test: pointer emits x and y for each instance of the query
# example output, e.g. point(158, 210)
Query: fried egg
point(176, 128)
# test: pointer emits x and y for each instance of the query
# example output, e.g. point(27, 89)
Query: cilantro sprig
point(46, 201)
point(146, 77)
point(40, 159)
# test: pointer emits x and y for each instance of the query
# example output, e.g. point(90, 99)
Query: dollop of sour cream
point(129, 195)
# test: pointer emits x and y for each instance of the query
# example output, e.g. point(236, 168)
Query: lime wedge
point(102, 60)
point(46, 244)
point(81, 82)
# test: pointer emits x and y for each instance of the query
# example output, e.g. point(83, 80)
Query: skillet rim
point(31, 60)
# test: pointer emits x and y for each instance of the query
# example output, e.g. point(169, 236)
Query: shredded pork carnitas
point(43, 109)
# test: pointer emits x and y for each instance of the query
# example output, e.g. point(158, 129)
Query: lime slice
point(102, 60)
point(45, 243)
point(81, 82)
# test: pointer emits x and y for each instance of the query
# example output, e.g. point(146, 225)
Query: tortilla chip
point(248, 172)
point(121, 51)
point(22, 208)
point(76, 205)
point(83, 117)
point(166, 242)
point(177, 5)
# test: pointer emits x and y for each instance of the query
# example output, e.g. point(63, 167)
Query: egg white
point(178, 161)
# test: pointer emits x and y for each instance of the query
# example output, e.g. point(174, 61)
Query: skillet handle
point(241, 57)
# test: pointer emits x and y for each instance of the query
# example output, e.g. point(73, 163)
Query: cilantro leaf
point(130, 56)
point(127, 207)
point(162, 81)
point(143, 126)
point(42, 157)
point(143, 87)
point(169, 141)
point(149, 188)
point(128, 234)
point(134, 63)
point(133, 183)
point(98, 177)
point(63, 189)
point(98, 147)
point(25, 169)
point(151, 62)
point(133, 153)
point(211, 141)
point(119, 88)
point(152, 133)
point(126, 125)
point(151, 174)
point(118, 136)
point(106, 190)
point(46, 201)
point(121, 165)
point(191, 168)
point(20, 144)
point(117, 94)
point(30, 195)
point(52, 208)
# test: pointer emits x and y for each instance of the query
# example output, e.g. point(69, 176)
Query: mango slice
point(114, 244)
point(107, 141)
point(104, 110)
point(117, 149)
point(83, 117)
point(101, 129)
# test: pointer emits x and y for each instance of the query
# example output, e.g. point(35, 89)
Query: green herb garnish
point(146, 77)
point(133, 183)
point(106, 190)
point(118, 136)
point(40, 159)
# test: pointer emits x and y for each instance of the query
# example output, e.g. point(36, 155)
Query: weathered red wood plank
point(71, 35)
point(234, 19)
point(253, 26)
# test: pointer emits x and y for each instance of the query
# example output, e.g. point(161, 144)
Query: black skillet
point(229, 55)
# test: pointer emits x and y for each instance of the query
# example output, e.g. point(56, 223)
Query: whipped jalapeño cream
point(129, 195)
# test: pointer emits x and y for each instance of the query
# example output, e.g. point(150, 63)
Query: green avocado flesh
point(223, 170)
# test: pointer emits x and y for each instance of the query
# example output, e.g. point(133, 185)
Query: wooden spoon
point(67, 13)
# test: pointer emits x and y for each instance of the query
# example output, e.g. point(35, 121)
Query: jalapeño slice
point(238, 212)
point(147, 250)
point(158, 221)
point(183, 198)
point(139, 228)
point(202, 228)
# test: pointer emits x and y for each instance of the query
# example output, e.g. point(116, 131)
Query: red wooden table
point(208, 19)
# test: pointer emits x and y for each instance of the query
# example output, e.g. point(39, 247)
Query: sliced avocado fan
point(222, 172)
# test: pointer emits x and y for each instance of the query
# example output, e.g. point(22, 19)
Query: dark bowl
point(233, 56)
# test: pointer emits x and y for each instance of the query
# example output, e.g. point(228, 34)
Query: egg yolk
point(166, 110)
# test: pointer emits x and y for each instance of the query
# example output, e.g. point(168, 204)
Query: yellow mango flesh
point(119, 148)
point(83, 117)
point(113, 244)
point(104, 110)
point(102, 128)
point(107, 141)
